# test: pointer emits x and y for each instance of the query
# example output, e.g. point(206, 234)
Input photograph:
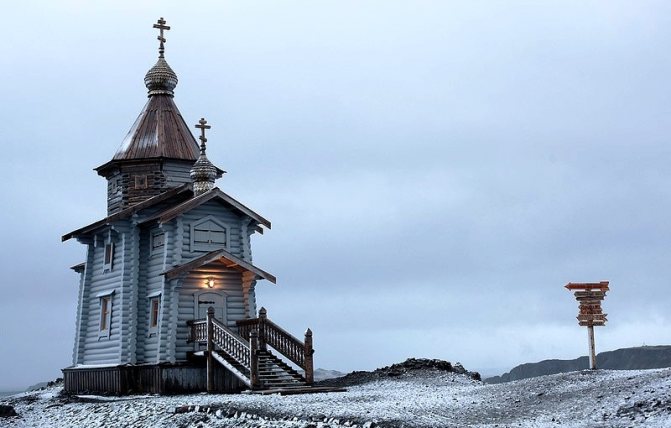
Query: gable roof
point(214, 194)
point(172, 212)
point(225, 257)
point(128, 212)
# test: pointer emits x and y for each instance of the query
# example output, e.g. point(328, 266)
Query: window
point(157, 242)
point(105, 315)
point(115, 186)
point(154, 313)
point(208, 234)
point(140, 181)
point(108, 257)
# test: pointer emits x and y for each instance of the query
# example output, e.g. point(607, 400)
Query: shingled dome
point(160, 79)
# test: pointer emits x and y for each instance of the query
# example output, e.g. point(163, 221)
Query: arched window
point(208, 234)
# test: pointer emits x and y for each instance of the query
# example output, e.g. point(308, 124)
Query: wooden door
point(216, 300)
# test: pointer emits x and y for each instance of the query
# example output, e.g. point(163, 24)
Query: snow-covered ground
point(427, 398)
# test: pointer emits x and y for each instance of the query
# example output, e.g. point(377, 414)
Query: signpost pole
point(592, 352)
point(589, 296)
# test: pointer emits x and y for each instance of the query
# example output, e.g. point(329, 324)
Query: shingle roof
point(217, 194)
point(184, 202)
point(159, 132)
point(181, 190)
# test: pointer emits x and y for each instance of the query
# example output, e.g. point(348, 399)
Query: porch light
point(210, 282)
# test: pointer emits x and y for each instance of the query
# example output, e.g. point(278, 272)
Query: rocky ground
point(416, 393)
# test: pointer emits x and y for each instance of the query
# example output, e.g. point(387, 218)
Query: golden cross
point(202, 125)
point(160, 24)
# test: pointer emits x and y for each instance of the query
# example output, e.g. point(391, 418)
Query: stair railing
point(231, 344)
point(197, 331)
point(269, 333)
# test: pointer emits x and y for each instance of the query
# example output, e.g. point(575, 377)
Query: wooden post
point(210, 350)
point(592, 352)
point(309, 363)
point(254, 358)
point(263, 316)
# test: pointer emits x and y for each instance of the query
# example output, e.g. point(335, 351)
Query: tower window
point(140, 181)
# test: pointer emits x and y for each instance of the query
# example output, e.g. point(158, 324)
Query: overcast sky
point(435, 171)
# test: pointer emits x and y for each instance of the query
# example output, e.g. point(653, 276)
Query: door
point(215, 300)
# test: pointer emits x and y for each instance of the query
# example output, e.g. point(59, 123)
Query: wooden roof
point(159, 132)
point(222, 256)
point(79, 268)
point(215, 193)
point(184, 189)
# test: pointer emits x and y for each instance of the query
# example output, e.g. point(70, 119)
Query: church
point(167, 298)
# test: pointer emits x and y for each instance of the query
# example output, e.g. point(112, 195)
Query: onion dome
point(203, 173)
point(160, 79)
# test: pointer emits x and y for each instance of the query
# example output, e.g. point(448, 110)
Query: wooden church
point(167, 290)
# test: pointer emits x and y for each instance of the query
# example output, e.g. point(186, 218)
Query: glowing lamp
point(210, 282)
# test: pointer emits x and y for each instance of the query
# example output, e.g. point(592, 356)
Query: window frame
point(153, 250)
point(105, 305)
point(108, 256)
point(141, 181)
point(154, 313)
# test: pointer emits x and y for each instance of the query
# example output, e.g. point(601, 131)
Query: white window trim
point(109, 294)
point(225, 226)
point(156, 295)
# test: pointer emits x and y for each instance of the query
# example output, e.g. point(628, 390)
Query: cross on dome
point(160, 24)
point(202, 125)
point(203, 174)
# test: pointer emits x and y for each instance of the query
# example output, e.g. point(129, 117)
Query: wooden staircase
point(251, 360)
point(275, 373)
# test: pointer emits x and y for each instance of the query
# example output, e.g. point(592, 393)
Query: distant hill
point(642, 357)
point(323, 374)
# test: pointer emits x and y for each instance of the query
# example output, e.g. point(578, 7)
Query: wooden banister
point(308, 350)
point(214, 333)
point(230, 343)
point(254, 359)
point(197, 331)
point(286, 344)
point(210, 350)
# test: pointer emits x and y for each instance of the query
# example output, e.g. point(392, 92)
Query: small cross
point(202, 125)
point(160, 24)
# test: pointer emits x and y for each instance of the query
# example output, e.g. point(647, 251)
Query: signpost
point(589, 296)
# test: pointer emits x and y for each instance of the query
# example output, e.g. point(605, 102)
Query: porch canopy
point(223, 256)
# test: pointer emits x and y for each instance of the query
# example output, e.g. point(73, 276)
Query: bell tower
point(159, 149)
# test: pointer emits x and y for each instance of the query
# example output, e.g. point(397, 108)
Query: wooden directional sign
point(589, 296)
point(592, 317)
point(591, 323)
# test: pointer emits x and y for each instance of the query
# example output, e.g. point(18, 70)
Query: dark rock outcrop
point(639, 358)
point(408, 367)
point(7, 411)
